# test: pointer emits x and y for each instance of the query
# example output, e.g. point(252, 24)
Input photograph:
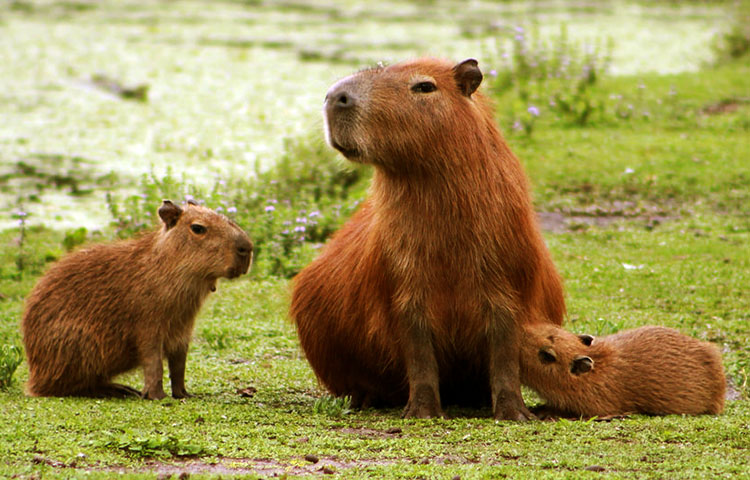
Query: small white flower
point(628, 266)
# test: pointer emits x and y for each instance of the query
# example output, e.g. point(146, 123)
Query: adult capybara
point(653, 370)
point(421, 295)
point(107, 309)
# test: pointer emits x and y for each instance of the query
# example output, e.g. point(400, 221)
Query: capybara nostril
point(344, 101)
point(341, 99)
point(244, 248)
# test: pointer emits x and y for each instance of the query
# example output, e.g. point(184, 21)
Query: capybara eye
point(424, 87)
point(198, 229)
point(547, 355)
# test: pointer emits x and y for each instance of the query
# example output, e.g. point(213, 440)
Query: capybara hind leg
point(116, 390)
point(505, 381)
point(360, 400)
point(176, 362)
point(546, 412)
point(421, 371)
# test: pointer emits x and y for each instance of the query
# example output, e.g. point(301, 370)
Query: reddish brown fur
point(653, 370)
point(109, 308)
point(430, 280)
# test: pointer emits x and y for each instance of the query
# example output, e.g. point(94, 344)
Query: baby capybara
point(110, 308)
point(651, 370)
point(419, 298)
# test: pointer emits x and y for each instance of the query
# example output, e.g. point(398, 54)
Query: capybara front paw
point(182, 393)
point(422, 411)
point(423, 403)
point(511, 411)
point(154, 394)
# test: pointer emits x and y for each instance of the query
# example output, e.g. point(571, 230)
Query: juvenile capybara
point(651, 370)
point(419, 298)
point(110, 308)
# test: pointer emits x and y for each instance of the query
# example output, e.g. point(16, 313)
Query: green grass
point(649, 225)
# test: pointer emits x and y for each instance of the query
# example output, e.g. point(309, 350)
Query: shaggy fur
point(421, 294)
point(109, 308)
point(653, 370)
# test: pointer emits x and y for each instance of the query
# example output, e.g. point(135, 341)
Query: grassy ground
point(647, 220)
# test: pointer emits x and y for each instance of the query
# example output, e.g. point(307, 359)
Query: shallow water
point(228, 81)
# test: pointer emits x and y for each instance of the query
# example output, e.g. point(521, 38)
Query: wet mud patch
point(31, 175)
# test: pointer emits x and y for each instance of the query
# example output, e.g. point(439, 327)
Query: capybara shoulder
point(652, 370)
point(109, 308)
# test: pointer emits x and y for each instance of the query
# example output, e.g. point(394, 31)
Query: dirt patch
point(569, 220)
point(727, 105)
point(732, 394)
point(273, 468)
point(232, 467)
point(371, 433)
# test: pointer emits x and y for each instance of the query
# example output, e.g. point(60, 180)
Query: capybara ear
point(192, 202)
point(169, 213)
point(586, 339)
point(581, 364)
point(547, 355)
point(468, 76)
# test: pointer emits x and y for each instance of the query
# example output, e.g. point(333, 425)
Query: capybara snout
point(243, 257)
point(342, 105)
point(206, 231)
point(110, 308)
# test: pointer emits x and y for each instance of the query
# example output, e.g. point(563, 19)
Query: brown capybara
point(419, 298)
point(651, 370)
point(110, 308)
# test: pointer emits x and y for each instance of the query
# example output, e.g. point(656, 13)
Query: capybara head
point(210, 245)
point(548, 351)
point(403, 117)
